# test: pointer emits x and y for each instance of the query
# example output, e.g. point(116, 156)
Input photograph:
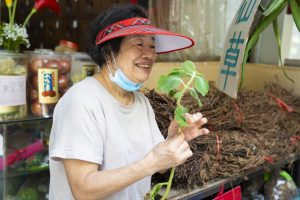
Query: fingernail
point(204, 120)
point(199, 116)
point(205, 131)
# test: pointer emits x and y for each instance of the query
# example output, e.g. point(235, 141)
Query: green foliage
point(174, 85)
point(295, 7)
point(270, 14)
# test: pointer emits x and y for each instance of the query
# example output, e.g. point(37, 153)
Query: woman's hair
point(116, 13)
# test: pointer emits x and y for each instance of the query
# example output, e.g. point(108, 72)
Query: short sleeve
point(78, 130)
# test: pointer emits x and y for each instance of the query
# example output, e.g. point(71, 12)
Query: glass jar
point(66, 46)
point(48, 80)
point(82, 67)
point(13, 75)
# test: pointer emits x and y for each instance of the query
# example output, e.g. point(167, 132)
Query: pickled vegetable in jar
point(13, 75)
point(48, 80)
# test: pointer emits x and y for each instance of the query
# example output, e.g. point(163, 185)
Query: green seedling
point(270, 14)
point(176, 84)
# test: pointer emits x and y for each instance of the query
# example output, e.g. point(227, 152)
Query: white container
point(82, 67)
point(13, 75)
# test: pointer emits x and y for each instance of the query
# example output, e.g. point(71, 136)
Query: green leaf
point(295, 7)
point(278, 40)
point(178, 95)
point(194, 94)
point(156, 188)
point(189, 66)
point(179, 115)
point(254, 37)
point(261, 7)
point(273, 6)
point(168, 83)
point(179, 72)
point(201, 85)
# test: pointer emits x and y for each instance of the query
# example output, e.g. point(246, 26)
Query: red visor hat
point(165, 41)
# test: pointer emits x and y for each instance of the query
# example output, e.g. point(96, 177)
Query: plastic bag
point(280, 186)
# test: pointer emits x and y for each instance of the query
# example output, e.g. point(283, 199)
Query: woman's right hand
point(170, 153)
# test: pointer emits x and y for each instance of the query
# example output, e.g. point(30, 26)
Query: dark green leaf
point(172, 93)
point(168, 83)
point(295, 7)
point(201, 85)
point(189, 66)
point(261, 8)
point(194, 94)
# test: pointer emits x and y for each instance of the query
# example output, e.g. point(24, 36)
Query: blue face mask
point(122, 81)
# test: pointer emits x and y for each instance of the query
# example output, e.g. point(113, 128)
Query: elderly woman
point(105, 143)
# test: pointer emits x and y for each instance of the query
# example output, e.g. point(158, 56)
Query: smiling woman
point(105, 142)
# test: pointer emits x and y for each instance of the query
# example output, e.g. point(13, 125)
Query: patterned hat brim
point(165, 41)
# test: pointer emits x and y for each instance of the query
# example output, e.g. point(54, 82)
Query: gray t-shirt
point(91, 125)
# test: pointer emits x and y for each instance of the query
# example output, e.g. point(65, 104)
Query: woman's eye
point(140, 44)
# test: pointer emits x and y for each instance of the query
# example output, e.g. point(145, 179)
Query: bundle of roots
point(256, 128)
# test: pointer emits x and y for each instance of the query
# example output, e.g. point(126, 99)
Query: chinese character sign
point(234, 47)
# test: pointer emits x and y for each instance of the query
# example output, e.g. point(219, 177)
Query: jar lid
point(81, 55)
point(69, 44)
point(12, 54)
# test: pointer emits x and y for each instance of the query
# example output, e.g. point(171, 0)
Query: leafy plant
point(174, 85)
point(12, 35)
point(270, 14)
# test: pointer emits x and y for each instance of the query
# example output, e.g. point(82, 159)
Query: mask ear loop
point(108, 62)
point(114, 60)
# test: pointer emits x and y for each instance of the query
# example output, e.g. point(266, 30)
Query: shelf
point(17, 173)
point(213, 187)
point(29, 118)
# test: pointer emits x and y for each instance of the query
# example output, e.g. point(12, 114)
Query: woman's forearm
point(97, 184)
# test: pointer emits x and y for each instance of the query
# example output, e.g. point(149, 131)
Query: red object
point(23, 153)
point(218, 148)
point(281, 103)
point(240, 117)
point(166, 41)
point(51, 4)
point(294, 139)
point(233, 194)
point(133, 1)
point(269, 159)
point(69, 44)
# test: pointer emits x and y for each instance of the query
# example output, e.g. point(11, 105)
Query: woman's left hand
point(195, 121)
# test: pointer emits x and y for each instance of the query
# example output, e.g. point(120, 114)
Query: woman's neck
point(123, 96)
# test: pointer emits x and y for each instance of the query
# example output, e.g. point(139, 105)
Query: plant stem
point(185, 88)
point(169, 184)
point(14, 12)
point(29, 16)
point(9, 15)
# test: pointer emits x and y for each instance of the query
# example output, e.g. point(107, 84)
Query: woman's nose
point(149, 53)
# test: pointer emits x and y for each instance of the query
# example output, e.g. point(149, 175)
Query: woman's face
point(136, 57)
